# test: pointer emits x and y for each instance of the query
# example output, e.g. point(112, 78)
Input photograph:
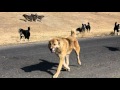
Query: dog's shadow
point(44, 65)
point(113, 48)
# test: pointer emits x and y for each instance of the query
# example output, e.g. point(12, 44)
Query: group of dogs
point(33, 17)
point(84, 27)
point(63, 47)
point(26, 33)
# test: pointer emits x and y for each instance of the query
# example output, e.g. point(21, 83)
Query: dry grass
point(55, 24)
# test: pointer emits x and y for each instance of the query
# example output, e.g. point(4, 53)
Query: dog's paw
point(79, 62)
point(68, 70)
point(55, 76)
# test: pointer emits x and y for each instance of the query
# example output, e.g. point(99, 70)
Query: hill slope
point(55, 24)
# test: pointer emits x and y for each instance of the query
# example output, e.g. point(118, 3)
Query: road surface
point(100, 58)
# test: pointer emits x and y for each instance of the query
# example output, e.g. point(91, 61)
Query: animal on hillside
point(39, 17)
point(28, 17)
point(34, 17)
point(116, 28)
point(24, 33)
point(88, 27)
point(81, 29)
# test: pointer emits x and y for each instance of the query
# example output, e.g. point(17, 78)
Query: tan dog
point(63, 47)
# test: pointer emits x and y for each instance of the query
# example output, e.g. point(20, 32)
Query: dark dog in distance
point(88, 27)
point(81, 29)
point(84, 27)
point(24, 33)
point(116, 28)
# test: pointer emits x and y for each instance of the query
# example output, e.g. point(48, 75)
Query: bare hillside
point(55, 24)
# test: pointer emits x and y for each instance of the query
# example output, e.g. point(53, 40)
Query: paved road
point(100, 58)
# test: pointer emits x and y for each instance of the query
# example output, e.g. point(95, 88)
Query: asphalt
point(100, 58)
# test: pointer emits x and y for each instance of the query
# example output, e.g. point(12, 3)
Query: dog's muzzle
point(52, 50)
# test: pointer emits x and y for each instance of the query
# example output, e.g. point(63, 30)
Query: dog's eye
point(54, 44)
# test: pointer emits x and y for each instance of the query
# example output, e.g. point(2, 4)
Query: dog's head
point(20, 30)
point(53, 45)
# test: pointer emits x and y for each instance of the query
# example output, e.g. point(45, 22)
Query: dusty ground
point(55, 24)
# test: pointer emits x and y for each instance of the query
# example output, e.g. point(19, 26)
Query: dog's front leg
point(20, 35)
point(67, 59)
point(59, 67)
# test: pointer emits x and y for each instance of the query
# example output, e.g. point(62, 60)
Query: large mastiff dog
point(63, 47)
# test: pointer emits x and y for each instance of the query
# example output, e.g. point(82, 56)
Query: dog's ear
point(58, 41)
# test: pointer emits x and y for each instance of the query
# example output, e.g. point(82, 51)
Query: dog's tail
point(28, 28)
point(73, 33)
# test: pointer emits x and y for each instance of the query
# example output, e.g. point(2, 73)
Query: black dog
point(88, 27)
point(81, 29)
point(116, 27)
point(25, 33)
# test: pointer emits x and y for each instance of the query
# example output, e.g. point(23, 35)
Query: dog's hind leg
point(77, 50)
point(20, 37)
point(27, 39)
point(66, 63)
